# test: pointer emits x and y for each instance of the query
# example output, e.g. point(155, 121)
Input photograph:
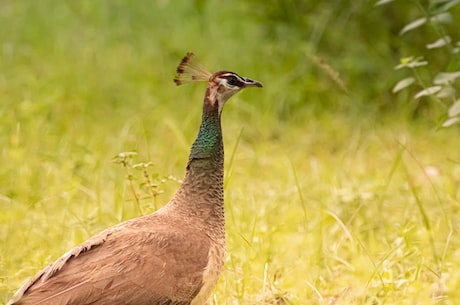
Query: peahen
point(171, 257)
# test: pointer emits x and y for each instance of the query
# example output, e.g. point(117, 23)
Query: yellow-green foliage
point(330, 197)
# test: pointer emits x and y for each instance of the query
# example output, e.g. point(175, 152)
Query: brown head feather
point(189, 70)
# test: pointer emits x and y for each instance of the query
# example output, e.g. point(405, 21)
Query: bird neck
point(208, 144)
point(201, 195)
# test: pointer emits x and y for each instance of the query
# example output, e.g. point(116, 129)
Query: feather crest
point(190, 70)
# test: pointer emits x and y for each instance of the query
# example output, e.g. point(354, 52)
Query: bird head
point(221, 85)
point(228, 83)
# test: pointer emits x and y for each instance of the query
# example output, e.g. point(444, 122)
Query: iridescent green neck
point(202, 192)
point(208, 144)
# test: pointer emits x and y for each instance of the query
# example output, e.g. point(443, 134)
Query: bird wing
point(49, 271)
point(127, 264)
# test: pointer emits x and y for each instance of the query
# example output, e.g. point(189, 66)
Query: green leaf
point(446, 92)
point(404, 83)
point(428, 91)
point(410, 62)
point(454, 110)
point(413, 25)
point(382, 2)
point(447, 5)
point(445, 77)
point(451, 121)
point(445, 17)
point(406, 60)
point(439, 43)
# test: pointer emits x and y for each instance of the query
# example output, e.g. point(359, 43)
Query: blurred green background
point(337, 190)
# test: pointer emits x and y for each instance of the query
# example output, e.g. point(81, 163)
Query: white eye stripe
point(232, 79)
point(230, 75)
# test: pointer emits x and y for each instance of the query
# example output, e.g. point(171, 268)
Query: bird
point(173, 256)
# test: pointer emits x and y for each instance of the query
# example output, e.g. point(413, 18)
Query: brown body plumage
point(171, 257)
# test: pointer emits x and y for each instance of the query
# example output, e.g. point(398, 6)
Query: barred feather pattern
point(190, 70)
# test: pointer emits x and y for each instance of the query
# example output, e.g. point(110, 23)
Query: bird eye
point(232, 81)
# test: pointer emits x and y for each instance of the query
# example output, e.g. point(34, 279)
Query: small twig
point(125, 159)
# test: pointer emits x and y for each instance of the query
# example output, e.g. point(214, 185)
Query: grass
point(331, 222)
point(323, 205)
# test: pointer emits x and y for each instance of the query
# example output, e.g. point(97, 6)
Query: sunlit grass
point(353, 230)
point(323, 206)
point(309, 220)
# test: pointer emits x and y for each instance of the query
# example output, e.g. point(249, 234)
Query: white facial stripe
point(228, 80)
point(229, 74)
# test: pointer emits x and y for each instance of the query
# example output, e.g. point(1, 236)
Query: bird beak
point(251, 83)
